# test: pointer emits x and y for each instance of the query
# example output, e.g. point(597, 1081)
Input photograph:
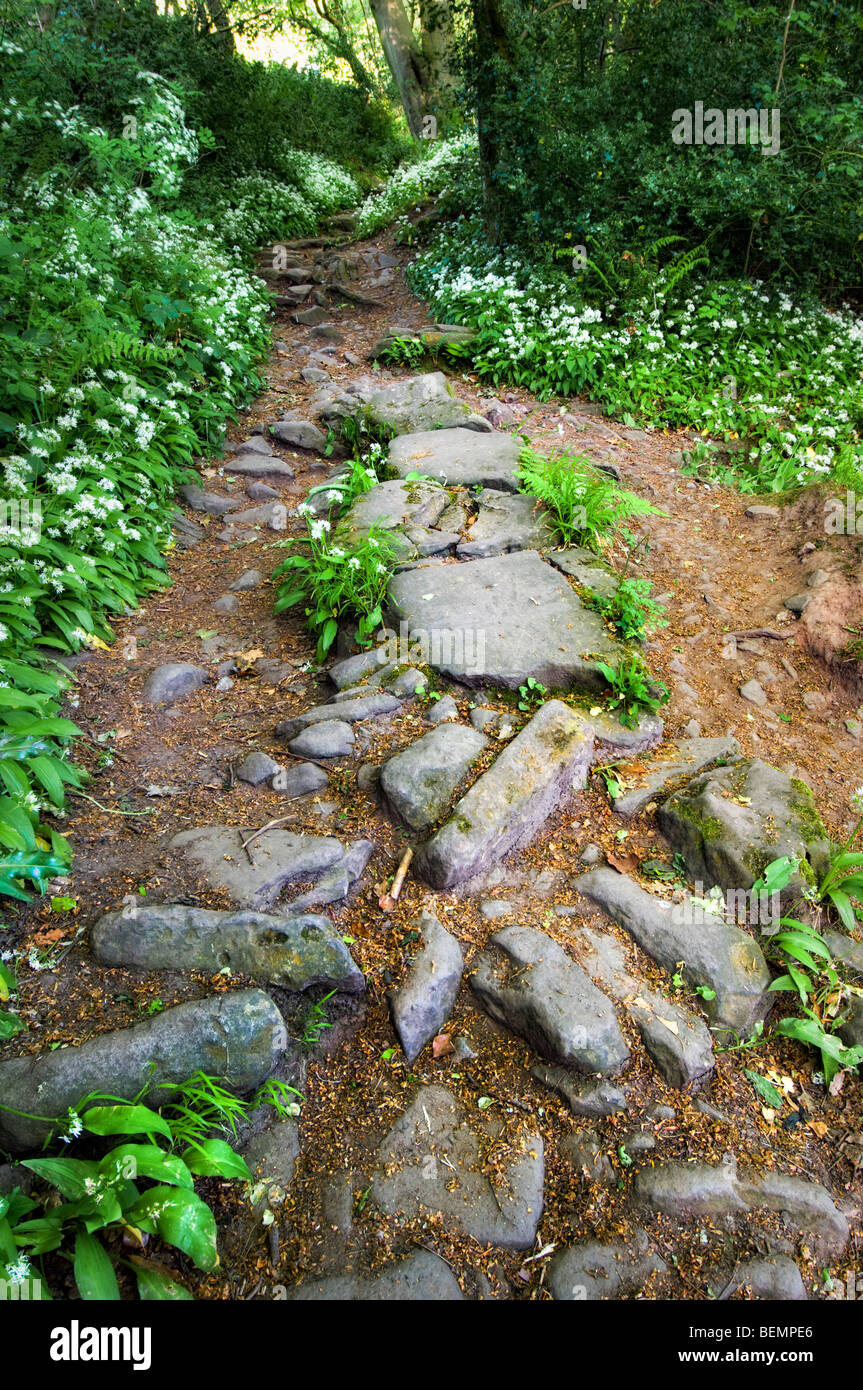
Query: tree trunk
point(492, 58)
point(438, 46)
point(405, 58)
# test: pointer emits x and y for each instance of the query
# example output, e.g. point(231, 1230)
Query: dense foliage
point(131, 221)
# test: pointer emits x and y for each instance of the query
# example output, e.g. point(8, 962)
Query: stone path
point(600, 1009)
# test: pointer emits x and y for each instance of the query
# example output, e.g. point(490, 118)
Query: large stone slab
point(501, 620)
point(419, 782)
point(431, 1162)
point(505, 523)
point(255, 877)
point(422, 1277)
point(294, 952)
point(423, 402)
point(729, 824)
point(699, 1190)
point(421, 1006)
point(582, 566)
point(238, 1037)
point(527, 982)
point(684, 759)
point(509, 803)
point(459, 457)
point(677, 1040)
point(701, 944)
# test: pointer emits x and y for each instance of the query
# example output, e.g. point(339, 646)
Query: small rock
point(421, 1006)
point(334, 738)
point(299, 781)
point(776, 1278)
point(257, 767)
point(442, 710)
point(762, 513)
point(249, 579)
point(798, 603)
point(590, 1098)
point(592, 854)
point(228, 603)
point(262, 492)
point(300, 434)
point(172, 682)
point(495, 907)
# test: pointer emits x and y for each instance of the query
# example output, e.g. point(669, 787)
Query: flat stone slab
point(592, 1271)
point(349, 711)
point(259, 466)
point(294, 952)
point(499, 621)
point(277, 858)
point(510, 803)
point(685, 758)
point(237, 1037)
point(699, 1190)
point(421, 1006)
point(731, 823)
point(701, 944)
point(677, 1040)
point(527, 982)
point(459, 457)
point(423, 402)
point(393, 505)
point(432, 1162)
point(506, 522)
point(419, 782)
point(422, 1277)
point(583, 566)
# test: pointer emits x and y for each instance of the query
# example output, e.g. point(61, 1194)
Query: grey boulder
point(421, 1006)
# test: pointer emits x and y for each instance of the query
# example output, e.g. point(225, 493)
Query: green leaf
point(124, 1119)
point(766, 1090)
point(133, 1161)
point(158, 1285)
point(214, 1158)
point(68, 1175)
point(94, 1273)
point(180, 1218)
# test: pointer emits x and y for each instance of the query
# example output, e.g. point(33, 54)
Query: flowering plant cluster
point(414, 182)
point(737, 360)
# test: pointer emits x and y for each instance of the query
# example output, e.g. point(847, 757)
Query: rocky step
point(416, 403)
point(293, 952)
point(502, 620)
point(459, 457)
point(238, 1037)
point(418, 784)
point(256, 875)
point(682, 759)
point(510, 802)
point(729, 824)
point(431, 1163)
point(700, 1190)
point(370, 706)
point(527, 982)
point(506, 523)
point(677, 1041)
point(684, 936)
point(422, 1277)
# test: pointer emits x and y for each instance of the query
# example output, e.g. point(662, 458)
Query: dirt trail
point(159, 772)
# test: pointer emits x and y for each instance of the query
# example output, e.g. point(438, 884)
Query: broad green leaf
point(94, 1273)
point(214, 1158)
point(70, 1176)
point(133, 1161)
point(766, 1090)
point(124, 1119)
point(180, 1218)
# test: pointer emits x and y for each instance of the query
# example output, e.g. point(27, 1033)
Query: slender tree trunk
point(438, 46)
point(493, 57)
point(405, 58)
